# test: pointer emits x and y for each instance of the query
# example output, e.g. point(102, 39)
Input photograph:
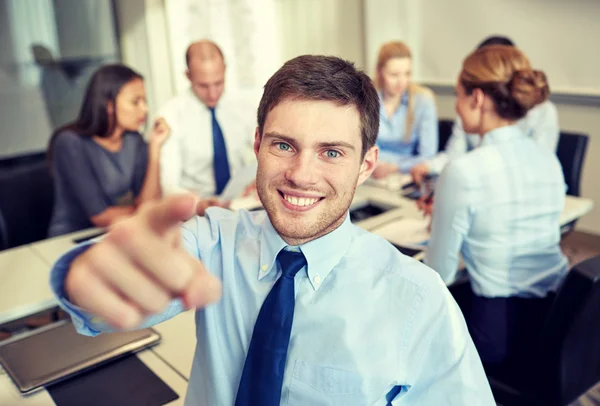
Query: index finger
point(170, 212)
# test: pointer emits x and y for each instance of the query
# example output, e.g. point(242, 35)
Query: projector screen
point(560, 37)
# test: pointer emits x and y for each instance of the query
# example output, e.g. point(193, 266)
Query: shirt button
point(317, 279)
point(264, 268)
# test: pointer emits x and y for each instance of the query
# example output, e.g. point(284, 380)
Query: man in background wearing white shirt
point(211, 133)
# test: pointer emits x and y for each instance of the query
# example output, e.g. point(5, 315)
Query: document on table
point(247, 203)
point(238, 183)
point(409, 232)
point(393, 182)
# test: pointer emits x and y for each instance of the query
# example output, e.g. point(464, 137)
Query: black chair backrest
point(571, 343)
point(445, 131)
point(571, 154)
point(26, 202)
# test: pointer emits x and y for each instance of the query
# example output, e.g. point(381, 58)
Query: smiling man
point(296, 306)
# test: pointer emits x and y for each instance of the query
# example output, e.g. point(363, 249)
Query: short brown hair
point(504, 73)
point(324, 78)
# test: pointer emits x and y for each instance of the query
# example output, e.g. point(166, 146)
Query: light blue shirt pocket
point(314, 384)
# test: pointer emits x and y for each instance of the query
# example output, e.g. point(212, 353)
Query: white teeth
point(301, 202)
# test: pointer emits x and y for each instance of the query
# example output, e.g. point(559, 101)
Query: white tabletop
point(178, 342)
point(10, 396)
point(24, 287)
point(51, 249)
point(575, 207)
point(24, 273)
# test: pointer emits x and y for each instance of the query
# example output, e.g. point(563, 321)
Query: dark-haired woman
point(499, 206)
point(103, 169)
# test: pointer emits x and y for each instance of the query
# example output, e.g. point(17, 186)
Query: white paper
point(393, 182)
point(405, 231)
point(247, 203)
point(238, 183)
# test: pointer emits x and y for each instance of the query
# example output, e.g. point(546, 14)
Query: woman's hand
point(425, 204)
point(160, 133)
point(419, 171)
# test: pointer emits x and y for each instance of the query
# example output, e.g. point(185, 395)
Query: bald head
point(206, 71)
point(203, 51)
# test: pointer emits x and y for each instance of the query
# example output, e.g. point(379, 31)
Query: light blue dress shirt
point(424, 139)
point(499, 206)
point(540, 123)
point(367, 319)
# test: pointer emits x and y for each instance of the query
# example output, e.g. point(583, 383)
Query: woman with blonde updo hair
point(408, 129)
point(540, 123)
point(499, 206)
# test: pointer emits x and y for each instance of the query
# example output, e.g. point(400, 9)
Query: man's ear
point(257, 139)
point(188, 75)
point(368, 164)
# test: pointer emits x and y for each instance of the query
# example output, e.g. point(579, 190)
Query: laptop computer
point(56, 352)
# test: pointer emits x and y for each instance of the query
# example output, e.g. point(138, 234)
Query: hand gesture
point(140, 266)
point(418, 172)
point(160, 132)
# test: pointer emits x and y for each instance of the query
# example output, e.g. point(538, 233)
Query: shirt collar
point(403, 102)
point(504, 134)
point(193, 96)
point(322, 254)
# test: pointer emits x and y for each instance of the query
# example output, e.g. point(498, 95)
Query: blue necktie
point(262, 377)
point(220, 162)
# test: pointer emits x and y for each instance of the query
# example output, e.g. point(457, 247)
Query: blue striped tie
point(220, 162)
point(262, 377)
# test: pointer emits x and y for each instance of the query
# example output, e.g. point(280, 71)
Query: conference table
point(24, 287)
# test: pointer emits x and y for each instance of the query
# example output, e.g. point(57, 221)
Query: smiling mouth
point(299, 203)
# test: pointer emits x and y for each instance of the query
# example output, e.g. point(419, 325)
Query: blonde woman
point(540, 123)
point(408, 129)
point(499, 207)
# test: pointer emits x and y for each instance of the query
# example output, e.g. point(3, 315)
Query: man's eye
point(332, 153)
point(283, 146)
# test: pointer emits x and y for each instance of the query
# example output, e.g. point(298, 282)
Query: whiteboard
point(560, 37)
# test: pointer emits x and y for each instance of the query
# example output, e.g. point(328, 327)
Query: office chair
point(569, 358)
point(571, 154)
point(21, 160)
point(445, 131)
point(26, 202)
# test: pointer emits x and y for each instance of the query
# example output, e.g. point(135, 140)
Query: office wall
point(26, 125)
point(144, 45)
point(330, 27)
point(557, 36)
point(37, 96)
point(245, 30)
point(87, 28)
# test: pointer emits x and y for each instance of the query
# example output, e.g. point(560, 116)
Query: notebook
point(56, 352)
